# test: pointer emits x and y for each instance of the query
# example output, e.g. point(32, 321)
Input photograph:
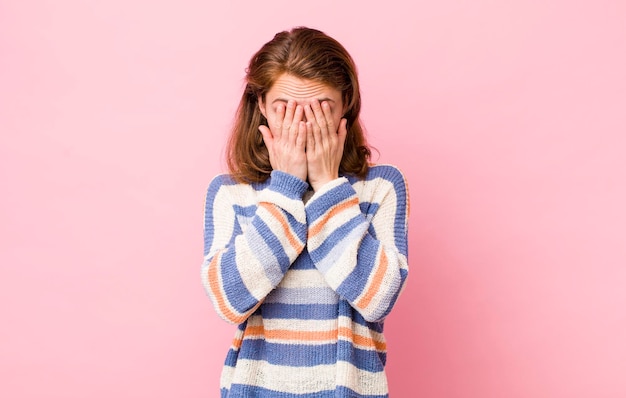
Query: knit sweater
point(309, 278)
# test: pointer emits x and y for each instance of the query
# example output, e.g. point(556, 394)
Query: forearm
point(238, 274)
point(362, 263)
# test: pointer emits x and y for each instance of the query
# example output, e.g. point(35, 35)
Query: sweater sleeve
point(363, 257)
point(242, 265)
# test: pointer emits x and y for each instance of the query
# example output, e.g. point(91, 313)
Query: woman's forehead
point(291, 87)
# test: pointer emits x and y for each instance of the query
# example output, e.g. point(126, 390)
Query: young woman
point(305, 242)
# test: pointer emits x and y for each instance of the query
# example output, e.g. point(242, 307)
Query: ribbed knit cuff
point(330, 194)
point(287, 184)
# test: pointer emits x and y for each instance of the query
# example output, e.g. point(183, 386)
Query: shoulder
point(387, 172)
point(218, 183)
point(221, 180)
point(225, 187)
point(384, 182)
point(380, 175)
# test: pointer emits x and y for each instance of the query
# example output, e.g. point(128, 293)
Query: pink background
point(508, 118)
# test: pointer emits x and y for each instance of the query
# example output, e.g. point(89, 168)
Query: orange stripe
point(377, 280)
point(295, 244)
point(323, 335)
point(217, 293)
point(337, 209)
point(365, 341)
point(238, 339)
point(291, 334)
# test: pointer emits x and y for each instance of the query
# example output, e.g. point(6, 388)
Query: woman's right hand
point(285, 139)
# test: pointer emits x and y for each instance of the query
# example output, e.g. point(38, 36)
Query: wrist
point(320, 182)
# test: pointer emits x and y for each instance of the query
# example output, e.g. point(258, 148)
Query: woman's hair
point(307, 54)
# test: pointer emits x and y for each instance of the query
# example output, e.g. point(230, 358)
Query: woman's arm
point(363, 258)
point(241, 267)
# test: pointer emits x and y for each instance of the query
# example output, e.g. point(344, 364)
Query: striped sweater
point(309, 278)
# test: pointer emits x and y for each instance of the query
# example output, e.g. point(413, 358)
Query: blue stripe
point(345, 309)
point(335, 255)
point(369, 360)
point(395, 177)
point(287, 185)
point(231, 358)
point(403, 275)
point(246, 211)
point(303, 295)
point(338, 240)
point(265, 233)
point(236, 293)
point(353, 285)
point(241, 390)
point(298, 311)
point(296, 355)
point(299, 228)
point(318, 206)
point(209, 228)
point(305, 355)
point(369, 209)
point(303, 261)
point(273, 270)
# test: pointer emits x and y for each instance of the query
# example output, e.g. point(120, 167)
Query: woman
point(305, 242)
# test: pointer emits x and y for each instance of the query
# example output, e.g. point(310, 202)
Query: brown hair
point(307, 54)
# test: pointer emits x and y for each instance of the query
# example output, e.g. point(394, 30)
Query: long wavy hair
point(307, 54)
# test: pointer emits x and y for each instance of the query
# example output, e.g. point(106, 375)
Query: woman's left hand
point(324, 145)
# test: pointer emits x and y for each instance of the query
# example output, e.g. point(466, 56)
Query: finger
point(310, 140)
point(319, 116)
point(310, 117)
point(267, 135)
point(342, 132)
point(295, 125)
point(317, 136)
point(328, 116)
point(289, 112)
point(279, 119)
point(308, 112)
point(302, 136)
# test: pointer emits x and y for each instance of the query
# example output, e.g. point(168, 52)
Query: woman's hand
point(286, 139)
point(324, 143)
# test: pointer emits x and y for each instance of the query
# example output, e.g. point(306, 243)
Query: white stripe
point(293, 206)
point(276, 226)
point(306, 380)
point(222, 231)
point(288, 379)
point(222, 292)
point(385, 226)
point(296, 278)
point(243, 195)
point(251, 271)
point(309, 325)
point(263, 252)
point(226, 376)
point(361, 381)
point(336, 221)
point(336, 270)
point(375, 190)
point(295, 325)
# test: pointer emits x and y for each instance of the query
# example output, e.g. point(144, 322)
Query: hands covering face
point(303, 140)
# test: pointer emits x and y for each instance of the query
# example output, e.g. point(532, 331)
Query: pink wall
point(509, 119)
